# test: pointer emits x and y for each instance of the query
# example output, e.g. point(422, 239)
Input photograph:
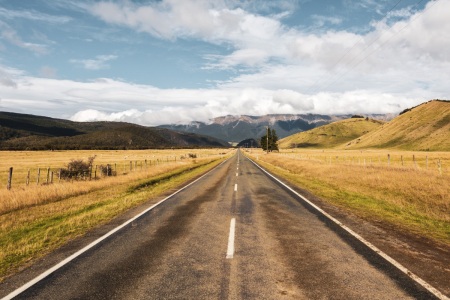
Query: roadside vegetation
point(35, 220)
point(408, 190)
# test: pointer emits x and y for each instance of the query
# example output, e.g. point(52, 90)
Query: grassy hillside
point(330, 135)
point(28, 132)
point(425, 127)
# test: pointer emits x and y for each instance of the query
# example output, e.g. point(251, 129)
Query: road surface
point(234, 234)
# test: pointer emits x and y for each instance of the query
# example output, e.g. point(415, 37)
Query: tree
point(269, 141)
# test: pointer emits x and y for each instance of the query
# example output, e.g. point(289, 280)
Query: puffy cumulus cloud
point(211, 21)
point(297, 101)
point(112, 100)
point(256, 39)
point(397, 65)
point(208, 20)
point(246, 57)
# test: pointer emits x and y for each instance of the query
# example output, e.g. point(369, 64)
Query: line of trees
point(270, 140)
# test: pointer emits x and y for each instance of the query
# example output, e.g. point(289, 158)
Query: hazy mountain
point(238, 128)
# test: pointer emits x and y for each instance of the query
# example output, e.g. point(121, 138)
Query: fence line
point(105, 170)
point(412, 162)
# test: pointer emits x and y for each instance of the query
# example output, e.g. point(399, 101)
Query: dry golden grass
point(66, 210)
point(22, 161)
point(330, 135)
point(408, 195)
point(426, 127)
point(21, 195)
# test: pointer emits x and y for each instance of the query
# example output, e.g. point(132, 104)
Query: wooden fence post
point(28, 177)
point(8, 186)
point(51, 177)
point(389, 159)
point(38, 175)
point(48, 175)
point(59, 175)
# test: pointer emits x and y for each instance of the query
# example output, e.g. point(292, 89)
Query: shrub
point(77, 168)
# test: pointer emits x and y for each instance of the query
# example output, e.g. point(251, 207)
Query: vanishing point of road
point(234, 234)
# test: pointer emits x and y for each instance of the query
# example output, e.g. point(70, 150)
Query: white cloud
point(47, 72)
point(100, 62)
point(112, 100)
point(256, 39)
point(320, 21)
point(397, 65)
point(33, 15)
point(10, 35)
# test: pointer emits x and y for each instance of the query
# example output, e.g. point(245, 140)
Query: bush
point(77, 168)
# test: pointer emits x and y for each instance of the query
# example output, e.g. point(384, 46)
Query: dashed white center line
point(237, 174)
point(235, 187)
point(230, 249)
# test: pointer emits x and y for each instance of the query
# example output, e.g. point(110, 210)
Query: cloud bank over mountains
point(276, 65)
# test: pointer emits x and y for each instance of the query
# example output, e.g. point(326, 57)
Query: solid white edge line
point(399, 266)
point(97, 241)
point(230, 248)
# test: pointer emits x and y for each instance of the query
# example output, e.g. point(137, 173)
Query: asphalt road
point(183, 249)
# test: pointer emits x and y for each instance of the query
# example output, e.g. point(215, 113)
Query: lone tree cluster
point(269, 141)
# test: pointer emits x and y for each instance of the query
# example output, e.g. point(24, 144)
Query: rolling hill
point(331, 135)
point(425, 127)
point(21, 132)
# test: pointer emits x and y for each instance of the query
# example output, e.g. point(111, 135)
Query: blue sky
point(175, 61)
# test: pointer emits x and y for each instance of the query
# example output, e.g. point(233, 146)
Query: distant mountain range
point(29, 132)
point(235, 129)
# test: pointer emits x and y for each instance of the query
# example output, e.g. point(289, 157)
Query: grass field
point(134, 164)
point(330, 135)
point(403, 191)
point(35, 220)
point(424, 128)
